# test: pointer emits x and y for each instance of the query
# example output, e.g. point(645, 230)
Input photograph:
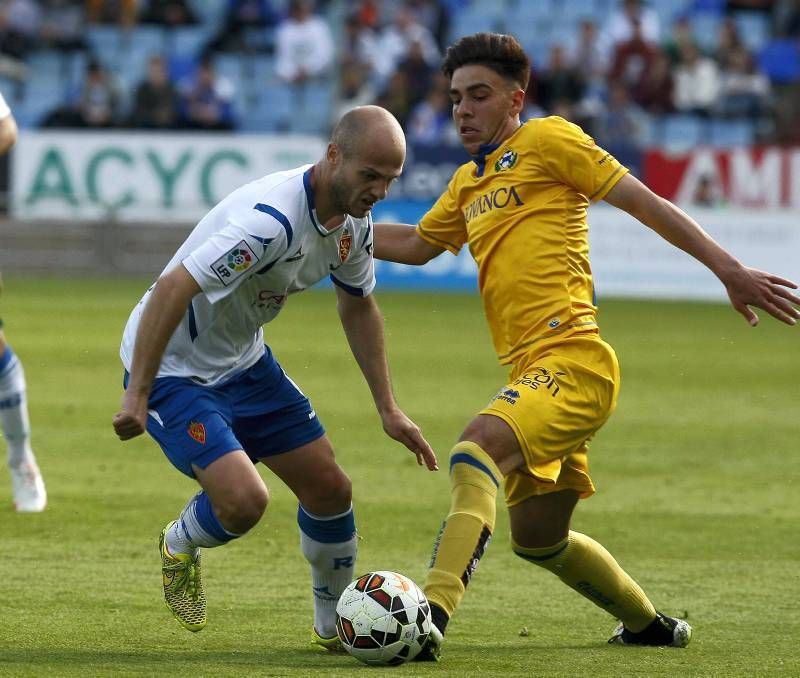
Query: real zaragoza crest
point(344, 245)
point(506, 161)
point(197, 431)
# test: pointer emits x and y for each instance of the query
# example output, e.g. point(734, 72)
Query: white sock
point(14, 414)
point(332, 565)
point(196, 527)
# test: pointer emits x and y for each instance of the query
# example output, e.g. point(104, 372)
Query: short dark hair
point(500, 52)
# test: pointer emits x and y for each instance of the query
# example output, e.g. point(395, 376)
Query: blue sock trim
point(465, 458)
point(208, 520)
point(5, 359)
point(327, 530)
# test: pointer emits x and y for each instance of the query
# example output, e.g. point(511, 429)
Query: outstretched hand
point(398, 426)
point(751, 287)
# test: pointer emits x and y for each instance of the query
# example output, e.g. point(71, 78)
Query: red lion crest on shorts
point(197, 431)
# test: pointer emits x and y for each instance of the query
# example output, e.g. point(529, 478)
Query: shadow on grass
point(141, 659)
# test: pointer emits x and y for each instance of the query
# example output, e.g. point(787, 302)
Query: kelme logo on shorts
point(506, 161)
point(509, 395)
point(197, 431)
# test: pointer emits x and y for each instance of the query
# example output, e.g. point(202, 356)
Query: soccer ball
point(383, 618)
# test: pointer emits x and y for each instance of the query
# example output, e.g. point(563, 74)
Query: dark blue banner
point(427, 171)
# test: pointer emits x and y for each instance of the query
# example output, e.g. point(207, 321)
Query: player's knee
point(542, 537)
point(497, 439)
point(332, 492)
point(242, 511)
point(544, 555)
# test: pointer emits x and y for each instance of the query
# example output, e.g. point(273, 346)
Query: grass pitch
point(697, 474)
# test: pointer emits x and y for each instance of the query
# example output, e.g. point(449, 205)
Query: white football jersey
point(259, 245)
point(5, 111)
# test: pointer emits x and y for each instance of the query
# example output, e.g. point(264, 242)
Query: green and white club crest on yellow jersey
point(506, 161)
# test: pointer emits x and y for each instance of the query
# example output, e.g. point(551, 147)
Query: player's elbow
point(420, 257)
point(421, 251)
point(177, 286)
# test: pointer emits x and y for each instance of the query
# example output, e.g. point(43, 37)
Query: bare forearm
point(672, 224)
point(363, 326)
point(679, 229)
point(745, 286)
point(164, 310)
point(401, 243)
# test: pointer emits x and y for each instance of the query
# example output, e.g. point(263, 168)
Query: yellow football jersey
point(521, 207)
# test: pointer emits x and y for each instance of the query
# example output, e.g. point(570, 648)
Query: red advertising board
point(758, 178)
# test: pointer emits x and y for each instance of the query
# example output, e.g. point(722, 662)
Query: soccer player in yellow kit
point(521, 206)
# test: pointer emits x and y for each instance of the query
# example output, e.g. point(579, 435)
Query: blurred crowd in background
point(632, 73)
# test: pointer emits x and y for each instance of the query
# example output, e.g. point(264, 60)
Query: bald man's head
point(365, 155)
point(370, 131)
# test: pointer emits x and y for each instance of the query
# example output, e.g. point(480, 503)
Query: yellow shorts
point(555, 402)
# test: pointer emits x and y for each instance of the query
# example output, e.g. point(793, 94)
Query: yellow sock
point(466, 532)
point(584, 565)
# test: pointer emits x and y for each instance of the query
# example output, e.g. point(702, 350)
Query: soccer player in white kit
point(27, 485)
point(200, 380)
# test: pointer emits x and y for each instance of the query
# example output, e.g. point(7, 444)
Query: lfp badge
point(239, 259)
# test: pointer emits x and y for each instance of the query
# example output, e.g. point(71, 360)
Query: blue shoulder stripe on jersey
point(279, 216)
point(355, 291)
point(263, 241)
point(369, 230)
point(192, 323)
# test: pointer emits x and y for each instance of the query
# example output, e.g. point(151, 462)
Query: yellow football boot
point(183, 588)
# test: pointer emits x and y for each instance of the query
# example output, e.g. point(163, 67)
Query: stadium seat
point(570, 13)
point(40, 97)
point(259, 69)
point(705, 30)
point(47, 61)
point(681, 131)
point(754, 29)
point(474, 19)
point(668, 11)
point(714, 7)
point(188, 41)
point(780, 60)
point(105, 43)
point(725, 133)
point(313, 110)
point(75, 68)
point(181, 68)
point(210, 13)
point(272, 111)
point(150, 39)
